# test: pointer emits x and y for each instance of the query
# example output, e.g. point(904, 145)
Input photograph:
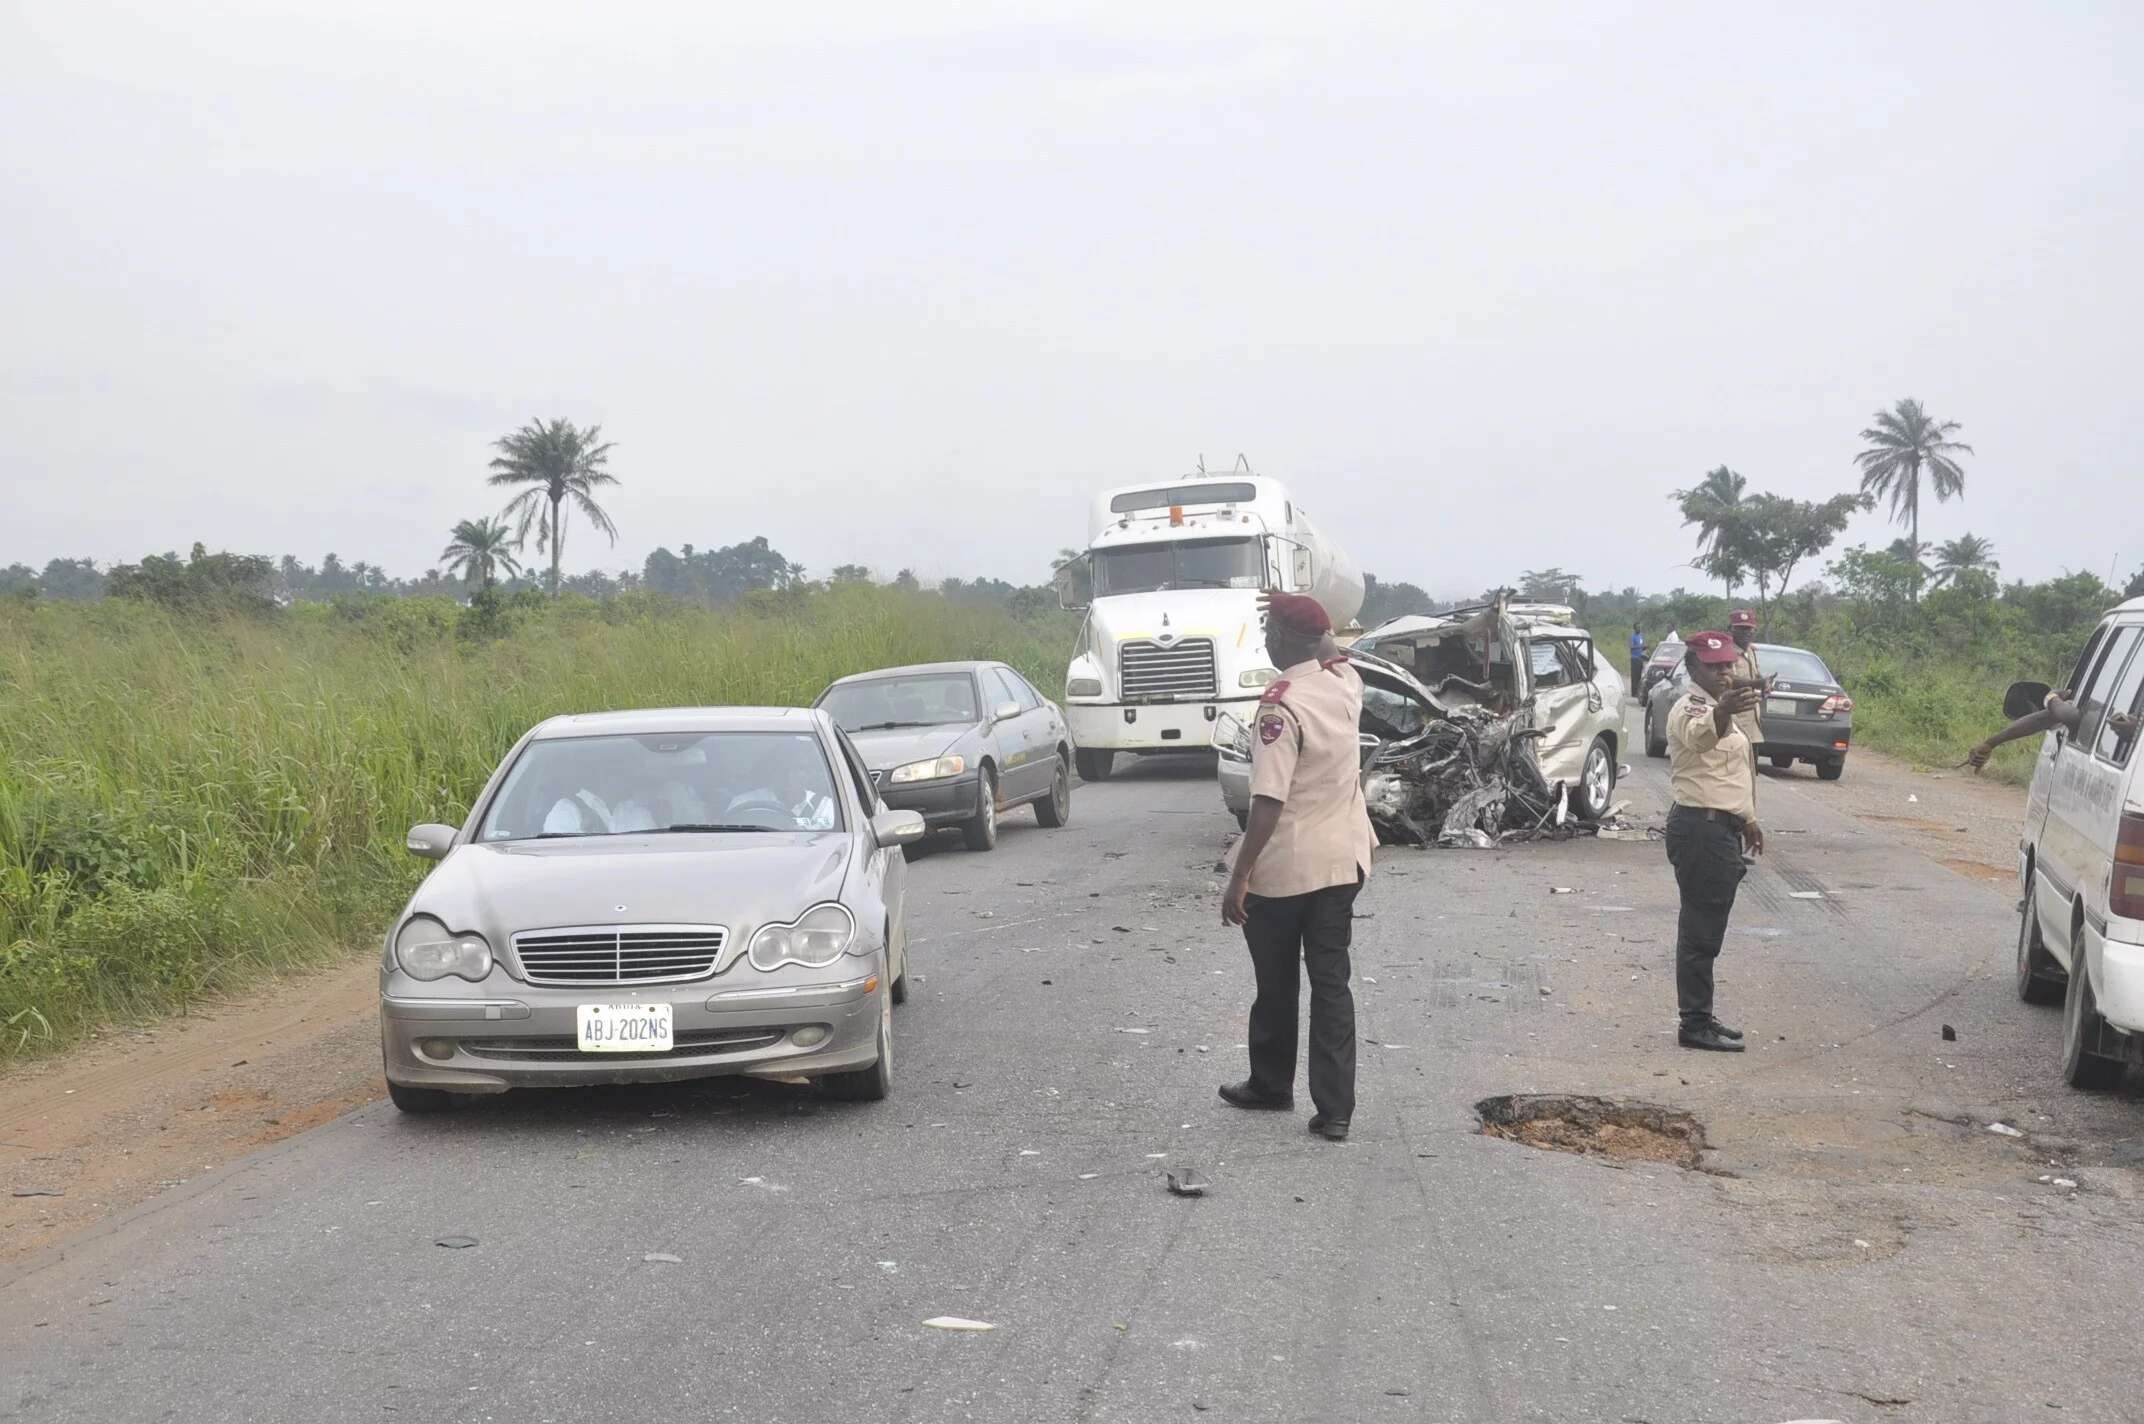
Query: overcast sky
point(903, 284)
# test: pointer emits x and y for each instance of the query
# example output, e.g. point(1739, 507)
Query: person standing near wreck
point(1302, 861)
point(1713, 820)
point(1743, 625)
point(1637, 662)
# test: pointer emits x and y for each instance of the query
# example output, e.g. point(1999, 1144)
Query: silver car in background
point(650, 896)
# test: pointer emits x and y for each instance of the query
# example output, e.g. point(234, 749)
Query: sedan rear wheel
point(1055, 809)
point(1656, 745)
point(872, 1084)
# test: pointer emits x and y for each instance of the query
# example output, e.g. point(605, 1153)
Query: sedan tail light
point(1833, 705)
point(2125, 889)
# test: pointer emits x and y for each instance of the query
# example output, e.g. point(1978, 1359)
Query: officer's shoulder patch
point(1275, 691)
point(1271, 728)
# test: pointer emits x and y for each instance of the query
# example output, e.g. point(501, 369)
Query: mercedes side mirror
point(896, 828)
point(429, 841)
point(2025, 698)
point(1006, 712)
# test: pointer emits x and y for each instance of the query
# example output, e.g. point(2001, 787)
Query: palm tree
point(558, 462)
point(1902, 443)
point(1714, 505)
point(481, 550)
point(1961, 555)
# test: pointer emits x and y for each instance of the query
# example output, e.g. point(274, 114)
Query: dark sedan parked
point(1806, 715)
point(960, 742)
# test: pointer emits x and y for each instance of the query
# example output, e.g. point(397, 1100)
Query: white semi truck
point(1173, 635)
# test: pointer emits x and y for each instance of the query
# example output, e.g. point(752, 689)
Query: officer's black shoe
point(1332, 1129)
point(1246, 1095)
point(1708, 1035)
point(1725, 1032)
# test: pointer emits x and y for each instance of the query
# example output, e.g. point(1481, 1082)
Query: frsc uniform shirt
point(1709, 771)
point(1306, 754)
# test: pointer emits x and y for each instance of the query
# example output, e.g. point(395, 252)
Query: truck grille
point(635, 954)
point(1182, 671)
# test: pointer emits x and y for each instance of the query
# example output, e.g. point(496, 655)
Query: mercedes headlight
point(425, 950)
point(1083, 687)
point(928, 770)
point(815, 939)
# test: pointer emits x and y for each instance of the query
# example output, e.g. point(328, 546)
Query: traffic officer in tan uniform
point(1742, 624)
point(1713, 820)
point(1303, 859)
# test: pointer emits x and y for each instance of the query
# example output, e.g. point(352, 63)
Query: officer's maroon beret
point(1301, 614)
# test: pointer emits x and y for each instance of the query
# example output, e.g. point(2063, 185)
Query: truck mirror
point(2024, 698)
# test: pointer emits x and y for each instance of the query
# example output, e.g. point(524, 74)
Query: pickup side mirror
point(894, 828)
point(429, 841)
point(1005, 712)
point(2024, 698)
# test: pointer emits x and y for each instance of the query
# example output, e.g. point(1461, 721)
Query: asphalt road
point(1861, 1249)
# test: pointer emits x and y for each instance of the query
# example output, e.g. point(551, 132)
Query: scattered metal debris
point(663, 1258)
point(38, 1192)
point(2004, 1129)
point(456, 1243)
point(955, 1322)
point(1187, 1183)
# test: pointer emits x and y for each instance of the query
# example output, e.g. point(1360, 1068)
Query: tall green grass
point(187, 806)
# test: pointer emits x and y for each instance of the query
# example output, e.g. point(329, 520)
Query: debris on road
point(2004, 1129)
point(955, 1322)
point(38, 1192)
point(663, 1258)
point(456, 1243)
point(1950, 1035)
point(1187, 1183)
point(1806, 895)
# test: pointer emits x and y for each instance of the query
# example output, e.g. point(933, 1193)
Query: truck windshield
point(1188, 563)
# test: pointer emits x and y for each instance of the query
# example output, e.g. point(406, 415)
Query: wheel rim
point(1597, 779)
point(1061, 793)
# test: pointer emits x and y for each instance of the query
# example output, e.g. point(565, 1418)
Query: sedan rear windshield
point(1792, 665)
point(918, 700)
point(689, 781)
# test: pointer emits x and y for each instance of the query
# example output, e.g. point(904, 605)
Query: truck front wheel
point(1094, 766)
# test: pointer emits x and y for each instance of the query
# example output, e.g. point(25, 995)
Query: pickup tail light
point(2125, 889)
point(1833, 705)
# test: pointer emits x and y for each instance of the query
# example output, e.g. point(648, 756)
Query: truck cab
point(1174, 634)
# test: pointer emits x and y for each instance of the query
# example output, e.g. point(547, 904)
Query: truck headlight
point(1083, 687)
point(426, 950)
point(1255, 677)
point(928, 770)
point(814, 939)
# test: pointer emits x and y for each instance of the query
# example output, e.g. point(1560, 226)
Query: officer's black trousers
point(1312, 931)
point(1707, 855)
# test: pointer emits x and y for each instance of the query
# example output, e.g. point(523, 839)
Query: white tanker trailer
point(1173, 635)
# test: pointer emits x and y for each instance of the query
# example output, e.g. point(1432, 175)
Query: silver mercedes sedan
point(649, 896)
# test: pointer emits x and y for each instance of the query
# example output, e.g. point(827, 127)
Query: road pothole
point(1595, 1127)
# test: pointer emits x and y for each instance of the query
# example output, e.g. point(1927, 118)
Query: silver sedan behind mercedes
point(648, 896)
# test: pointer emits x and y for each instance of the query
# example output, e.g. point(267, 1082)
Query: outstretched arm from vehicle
point(2060, 712)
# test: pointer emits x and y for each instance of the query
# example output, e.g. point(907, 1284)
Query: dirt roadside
point(110, 1125)
point(113, 1124)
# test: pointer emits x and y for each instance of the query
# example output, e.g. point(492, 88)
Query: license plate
point(625, 1028)
point(1782, 707)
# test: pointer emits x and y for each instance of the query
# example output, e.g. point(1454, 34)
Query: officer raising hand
point(1303, 859)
